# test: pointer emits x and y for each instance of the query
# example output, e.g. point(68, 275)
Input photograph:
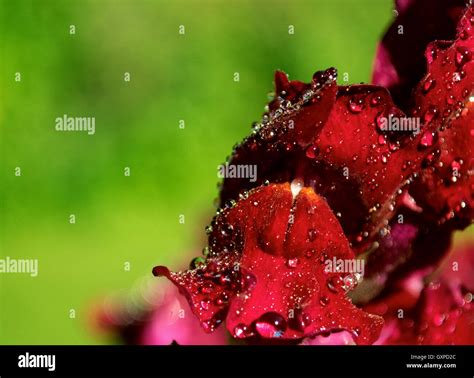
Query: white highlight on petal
point(296, 186)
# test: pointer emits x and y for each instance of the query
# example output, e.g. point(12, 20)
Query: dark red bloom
point(265, 272)
point(344, 184)
point(335, 144)
point(444, 99)
point(441, 198)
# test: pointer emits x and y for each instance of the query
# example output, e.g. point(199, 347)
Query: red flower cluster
point(381, 173)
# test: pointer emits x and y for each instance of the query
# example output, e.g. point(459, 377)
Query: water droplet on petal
point(270, 325)
point(312, 233)
point(432, 54)
point(438, 319)
point(296, 186)
point(300, 320)
point(375, 100)
point(428, 84)
point(197, 262)
point(349, 282)
point(333, 283)
point(241, 331)
point(430, 114)
point(355, 105)
point(324, 301)
point(462, 56)
point(292, 263)
point(426, 139)
point(312, 151)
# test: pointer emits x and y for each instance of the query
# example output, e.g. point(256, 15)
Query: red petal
point(289, 127)
point(273, 250)
point(372, 165)
point(444, 102)
point(442, 196)
point(293, 296)
point(335, 148)
point(210, 286)
point(399, 64)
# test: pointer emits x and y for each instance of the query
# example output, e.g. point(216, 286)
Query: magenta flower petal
point(441, 312)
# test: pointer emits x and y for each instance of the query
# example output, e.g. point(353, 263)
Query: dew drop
point(300, 320)
point(426, 140)
point(356, 331)
point(248, 280)
point(270, 325)
point(197, 262)
point(438, 319)
point(324, 301)
point(207, 288)
point(462, 56)
point(375, 100)
point(222, 300)
point(349, 282)
point(296, 186)
point(355, 105)
point(428, 160)
point(307, 95)
point(428, 84)
point(432, 54)
point(333, 283)
point(430, 114)
point(312, 233)
point(227, 229)
point(241, 331)
point(292, 263)
point(312, 151)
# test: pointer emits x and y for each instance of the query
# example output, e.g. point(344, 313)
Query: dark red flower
point(335, 145)
point(344, 184)
point(444, 100)
point(440, 198)
point(265, 272)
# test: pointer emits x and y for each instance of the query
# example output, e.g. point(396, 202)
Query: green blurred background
point(174, 77)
